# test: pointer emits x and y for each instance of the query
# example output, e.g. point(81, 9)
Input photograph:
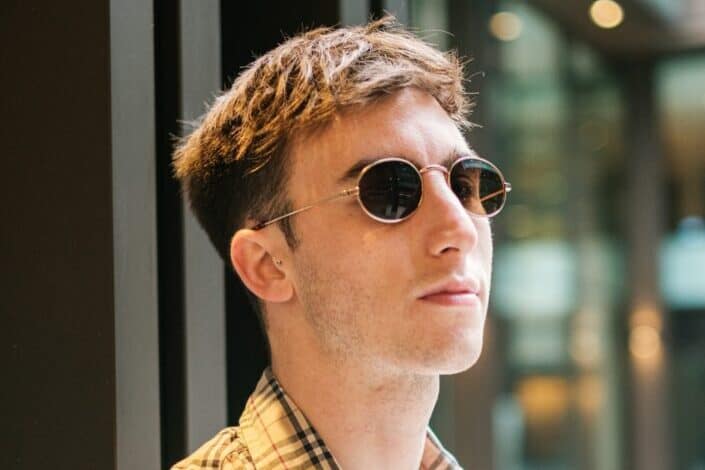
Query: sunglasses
point(391, 189)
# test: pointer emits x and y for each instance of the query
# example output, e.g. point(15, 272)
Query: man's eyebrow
point(353, 172)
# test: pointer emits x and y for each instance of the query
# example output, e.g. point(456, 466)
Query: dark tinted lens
point(478, 185)
point(390, 190)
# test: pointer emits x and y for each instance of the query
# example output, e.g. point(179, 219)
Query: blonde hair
point(233, 166)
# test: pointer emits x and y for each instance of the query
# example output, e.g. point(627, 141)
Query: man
point(335, 179)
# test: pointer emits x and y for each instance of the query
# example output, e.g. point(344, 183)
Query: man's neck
point(367, 418)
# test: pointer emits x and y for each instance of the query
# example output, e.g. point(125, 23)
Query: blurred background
point(127, 343)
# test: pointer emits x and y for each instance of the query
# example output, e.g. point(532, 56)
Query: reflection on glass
point(558, 273)
point(681, 86)
point(563, 327)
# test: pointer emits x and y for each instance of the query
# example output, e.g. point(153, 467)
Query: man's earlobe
point(259, 270)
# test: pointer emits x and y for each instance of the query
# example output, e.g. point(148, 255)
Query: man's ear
point(250, 254)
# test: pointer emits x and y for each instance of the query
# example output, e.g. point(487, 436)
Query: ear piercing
point(277, 261)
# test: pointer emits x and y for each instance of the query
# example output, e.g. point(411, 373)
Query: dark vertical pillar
point(650, 419)
point(377, 8)
point(57, 398)
point(474, 391)
point(170, 240)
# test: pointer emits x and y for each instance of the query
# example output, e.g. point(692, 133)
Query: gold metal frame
point(506, 187)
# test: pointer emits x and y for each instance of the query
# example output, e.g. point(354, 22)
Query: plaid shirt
point(275, 434)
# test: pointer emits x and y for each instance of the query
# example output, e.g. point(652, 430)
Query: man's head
point(284, 136)
point(235, 164)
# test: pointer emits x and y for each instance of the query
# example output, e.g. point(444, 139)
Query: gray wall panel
point(354, 11)
point(399, 8)
point(134, 233)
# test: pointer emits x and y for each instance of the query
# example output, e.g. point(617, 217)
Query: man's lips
point(453, 292)
point(452, 298)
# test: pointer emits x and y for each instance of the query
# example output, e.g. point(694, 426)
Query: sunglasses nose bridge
point(440, 168)
point(447, 191)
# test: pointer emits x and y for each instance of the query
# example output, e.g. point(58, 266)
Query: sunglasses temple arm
point(507, 188)
point(347, 192)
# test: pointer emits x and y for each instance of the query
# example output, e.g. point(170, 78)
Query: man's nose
point(449, 227)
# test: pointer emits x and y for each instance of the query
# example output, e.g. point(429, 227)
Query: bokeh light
point(644, 342)
point(606, 14)
point(505, 26)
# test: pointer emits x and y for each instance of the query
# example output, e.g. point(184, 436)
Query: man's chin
point(453, 360)
point(463, 353)
point(461, 364)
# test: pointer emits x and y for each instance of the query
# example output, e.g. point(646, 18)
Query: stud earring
point(278, 262)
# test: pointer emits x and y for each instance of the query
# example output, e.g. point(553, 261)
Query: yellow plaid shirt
point(274, 434)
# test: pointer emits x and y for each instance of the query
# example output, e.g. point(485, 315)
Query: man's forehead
point(390, 126)
point(408, 124)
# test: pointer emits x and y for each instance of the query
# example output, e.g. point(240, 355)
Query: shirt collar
point(278, 434)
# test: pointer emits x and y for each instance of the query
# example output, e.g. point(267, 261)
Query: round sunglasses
point(389, 190)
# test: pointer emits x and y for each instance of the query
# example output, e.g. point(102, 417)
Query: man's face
point(362, 285)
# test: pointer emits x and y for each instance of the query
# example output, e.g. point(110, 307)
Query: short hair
point(233, 166)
